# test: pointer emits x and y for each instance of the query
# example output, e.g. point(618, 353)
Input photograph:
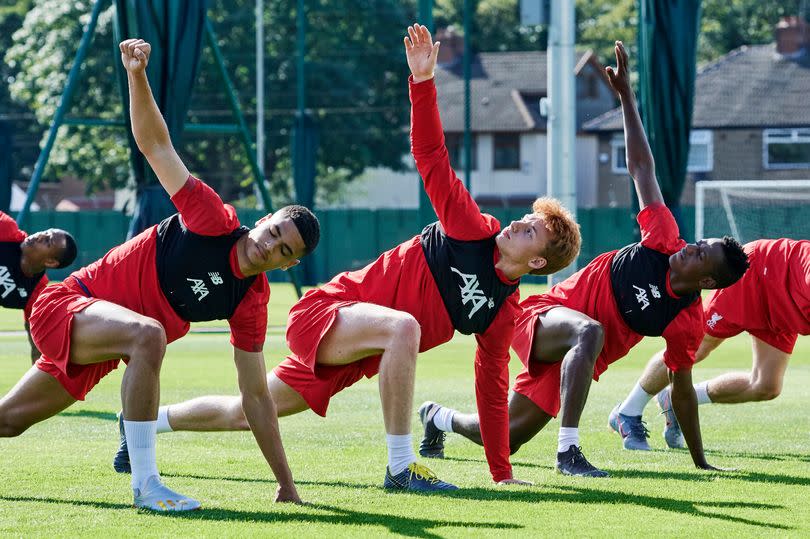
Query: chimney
point(792, 36)
point(452, 48)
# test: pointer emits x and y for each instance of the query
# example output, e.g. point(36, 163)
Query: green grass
point(56, 479)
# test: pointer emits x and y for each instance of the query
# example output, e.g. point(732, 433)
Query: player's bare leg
point(36, 397)
point(526, 419)
point(363, 330)
point(764, 382)
point(576, 339)
point(224, 413)
point(105, 331)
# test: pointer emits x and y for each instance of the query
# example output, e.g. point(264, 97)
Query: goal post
point(752, 209)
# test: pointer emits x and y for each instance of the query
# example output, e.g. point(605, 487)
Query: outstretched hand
point(709, 468)
point(135, 54)
point(618, 76)
point(421, 52)
point(515, 482)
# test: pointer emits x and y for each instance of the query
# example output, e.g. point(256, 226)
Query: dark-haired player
point(772, 303)
point(23, 262)
point(461, 273)
point(569, 335)
point(198, 264)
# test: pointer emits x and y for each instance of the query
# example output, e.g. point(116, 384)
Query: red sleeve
point(203, 211)
point(249, 321)
point(457, 211)
point(659, 230)
point(683, 336)
point(492, 388)
point(33, 297)
point(9, 231)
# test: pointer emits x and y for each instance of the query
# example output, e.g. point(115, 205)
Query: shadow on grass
point(782, 457)
point(697, 475)
point(566, 494)
point(407, 526)
point(94, 414)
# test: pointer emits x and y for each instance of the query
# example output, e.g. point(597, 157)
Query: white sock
point(568, 436)
point(400, 452)
point(443, 419)
point(635, 402)
point(141, 445)
point(163, 420)
point(702, 392)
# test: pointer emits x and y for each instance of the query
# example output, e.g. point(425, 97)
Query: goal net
point(754, 209)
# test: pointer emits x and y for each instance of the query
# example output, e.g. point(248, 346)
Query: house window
point(701, 152)
point(455, 147)
point(618, 164)
point(506, 151)
point(786, 148)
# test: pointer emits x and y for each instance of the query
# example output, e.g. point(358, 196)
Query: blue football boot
point(416, 477)
point(672, 430)
point(632, 429)
point(573, 462)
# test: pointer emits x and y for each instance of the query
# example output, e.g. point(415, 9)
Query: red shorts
point(540, 382)
point(771, 302)
point(51, 322)
point(308, 322)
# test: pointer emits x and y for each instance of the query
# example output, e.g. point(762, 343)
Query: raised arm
point(261, 415)
point(456, 209)
point(640, 163)
point(148, 126)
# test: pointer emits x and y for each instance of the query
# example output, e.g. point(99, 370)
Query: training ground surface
point(57, 480)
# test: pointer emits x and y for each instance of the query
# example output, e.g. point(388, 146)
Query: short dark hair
point(68, 254)
point(736, 263)
point(307, 224)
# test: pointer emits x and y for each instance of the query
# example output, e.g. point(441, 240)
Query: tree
point(356, 90)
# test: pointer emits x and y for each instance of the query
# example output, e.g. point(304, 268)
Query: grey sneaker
point(672, 430)
point(632, 429)
point(158, 497)
point(432, 445)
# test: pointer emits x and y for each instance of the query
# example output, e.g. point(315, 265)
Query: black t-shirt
point(15, 287)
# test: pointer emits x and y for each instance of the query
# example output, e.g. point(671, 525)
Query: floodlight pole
point(64, 105)
point(260, 84)
point(561, 143)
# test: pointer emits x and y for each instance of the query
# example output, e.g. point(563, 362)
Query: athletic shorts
point(51, 322)
point(309, 320)
point(540, 382)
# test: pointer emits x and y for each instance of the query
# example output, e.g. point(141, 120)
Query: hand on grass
point(287, 495)
point(514, 481)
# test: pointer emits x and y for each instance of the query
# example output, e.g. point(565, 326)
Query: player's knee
point(149, 338)
point(9, 427)
point(766, 392)
point(590, 336)
point(405, 331)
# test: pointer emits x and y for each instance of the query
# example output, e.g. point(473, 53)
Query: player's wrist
point(421, 78)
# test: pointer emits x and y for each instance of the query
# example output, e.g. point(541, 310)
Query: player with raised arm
point(569, 335)
point(461, 273)
point(772, 303)
point(23, 262)
point(198, 264)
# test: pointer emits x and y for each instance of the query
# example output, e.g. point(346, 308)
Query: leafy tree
point(356, 90)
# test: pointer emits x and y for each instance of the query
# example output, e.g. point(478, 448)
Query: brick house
point(751, 119)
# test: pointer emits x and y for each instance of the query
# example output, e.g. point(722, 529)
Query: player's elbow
point(641, 168)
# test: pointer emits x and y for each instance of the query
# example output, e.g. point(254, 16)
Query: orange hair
point(564, 236)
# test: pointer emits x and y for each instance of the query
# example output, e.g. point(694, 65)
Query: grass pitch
point(57, 479)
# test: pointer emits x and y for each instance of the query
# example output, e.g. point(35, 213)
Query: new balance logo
point(711, 322)
point(6, 282)
point(470, 292)
point(641, 297)
point(654, 290)
point(215, 278)
point(198, 287)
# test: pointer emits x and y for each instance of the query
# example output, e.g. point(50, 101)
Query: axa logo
point(198, 288)
point(472, 293)
point(6, 282)
point(641, 297)
point(711, 322)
